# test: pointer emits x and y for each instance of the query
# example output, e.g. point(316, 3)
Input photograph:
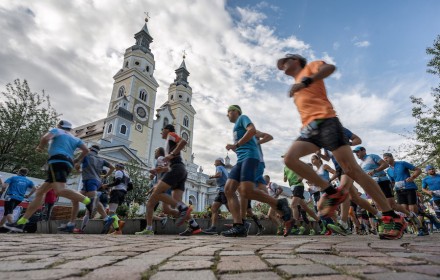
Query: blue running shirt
point(221, 181)
point(63, 143)
point(399, 173)
point(18, 185)
point(249, 149)
point(433, 183)
point(370, 162)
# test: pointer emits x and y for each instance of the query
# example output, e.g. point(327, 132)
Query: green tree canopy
point(24, 117)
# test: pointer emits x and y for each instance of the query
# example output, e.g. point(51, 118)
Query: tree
point(427, 118)
point(140, 181)
point(24, 117)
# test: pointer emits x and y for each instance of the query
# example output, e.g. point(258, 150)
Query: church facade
point(131, 130)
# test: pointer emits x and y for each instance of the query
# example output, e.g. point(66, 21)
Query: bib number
point(400, 185)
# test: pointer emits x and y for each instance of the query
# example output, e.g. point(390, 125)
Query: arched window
point(186, 121)
point(121, 91)
point(165, 122)
point(123, 129)
point(172, 97)
point(110, 128)
point(143, 95)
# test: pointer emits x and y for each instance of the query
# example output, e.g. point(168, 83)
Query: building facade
point(131, 130)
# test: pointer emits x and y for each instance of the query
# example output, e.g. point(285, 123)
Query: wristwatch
point(307, 81)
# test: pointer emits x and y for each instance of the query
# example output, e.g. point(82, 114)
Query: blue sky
point(72, 49)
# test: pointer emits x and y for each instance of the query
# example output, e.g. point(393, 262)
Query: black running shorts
point(298, 191)
point(386, 188)
point(10, 206)
point(176, 177)
point(408, 197)
point(328, 135)
point(221, 198)
point(117, 196)
point(58, 172)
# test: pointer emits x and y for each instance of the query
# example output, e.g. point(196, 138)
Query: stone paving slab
point(73, 257)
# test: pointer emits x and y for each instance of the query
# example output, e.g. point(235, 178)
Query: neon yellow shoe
point(145, 232)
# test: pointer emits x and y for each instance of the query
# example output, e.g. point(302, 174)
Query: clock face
point(141, 112)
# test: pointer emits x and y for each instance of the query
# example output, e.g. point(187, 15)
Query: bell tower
point(131, 109)
point(179, 100)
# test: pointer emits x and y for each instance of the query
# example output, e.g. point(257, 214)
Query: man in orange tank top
point(322, 129)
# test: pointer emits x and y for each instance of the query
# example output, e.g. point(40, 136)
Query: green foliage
point(123, 210)
point(427, 127)
point(24, 117)
point(141, 182)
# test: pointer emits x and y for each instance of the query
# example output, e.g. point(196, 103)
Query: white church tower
point(129, 119)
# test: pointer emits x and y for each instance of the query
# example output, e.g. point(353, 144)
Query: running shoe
point(235, 231)
point(283, 206)
point(312, 232)
point(184, 216)
point(14, 227)
point(393, 227)
point(260, 230)
point(420, 233)
point(164, 221)
point(328, 232)
point(66, 228)
point(211, 230)
point(415, 220)
point(191, 231)
point(331, 202)
point(337, 228)
point(301, 230)
point(78, 231)
point(145, 232)
point(116, 232)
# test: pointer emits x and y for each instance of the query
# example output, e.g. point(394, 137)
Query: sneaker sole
point(332, 208)
point(13, 229)
point(337, 229)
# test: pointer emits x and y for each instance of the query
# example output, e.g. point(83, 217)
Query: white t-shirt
point(272, 188)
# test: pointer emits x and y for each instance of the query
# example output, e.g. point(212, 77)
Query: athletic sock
point(149, 228)
point(22, 221)
point(330, 190)
point(115, 221)
point(193, 223)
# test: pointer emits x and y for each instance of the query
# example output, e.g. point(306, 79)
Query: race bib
point(399, 185)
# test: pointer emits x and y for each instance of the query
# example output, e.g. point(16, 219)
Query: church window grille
point(143, 95)
point(110, 128)
point(186, 121)
point(123, 129)
point(121, 91)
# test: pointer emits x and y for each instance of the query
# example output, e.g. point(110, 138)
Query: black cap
point(170, 127)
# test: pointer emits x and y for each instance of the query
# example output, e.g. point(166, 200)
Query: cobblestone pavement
point(62, 256)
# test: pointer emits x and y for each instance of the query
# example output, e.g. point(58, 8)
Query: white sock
point(379, 215)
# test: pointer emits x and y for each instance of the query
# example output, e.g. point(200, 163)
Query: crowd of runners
point(338, 206)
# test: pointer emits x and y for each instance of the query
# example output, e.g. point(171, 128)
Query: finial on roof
point(147, 16)
point(184, 54)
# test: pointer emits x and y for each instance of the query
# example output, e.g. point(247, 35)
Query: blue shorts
point(245, 171)
point(259, 179)
point(91, 185)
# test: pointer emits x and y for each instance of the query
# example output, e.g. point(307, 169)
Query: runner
point(221, 176)
point(274, 191)
point(61, 161)
point(322, 129)
point(295, 183)
point(406, 189)
point(243, 174)
point(16, 188)
point(119, 189)
point(175, 180)
point(92, 166)
point(431, 184)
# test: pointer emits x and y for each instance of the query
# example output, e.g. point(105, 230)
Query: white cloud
point(362, 44)
point(72, 49)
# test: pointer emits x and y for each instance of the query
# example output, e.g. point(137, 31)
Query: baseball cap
point(221, 160)
point(170, 127)
point(428, 167)
point(358, 148)
point(281, 61)
point(65, 124)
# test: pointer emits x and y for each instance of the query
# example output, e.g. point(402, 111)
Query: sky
point(72, 50)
